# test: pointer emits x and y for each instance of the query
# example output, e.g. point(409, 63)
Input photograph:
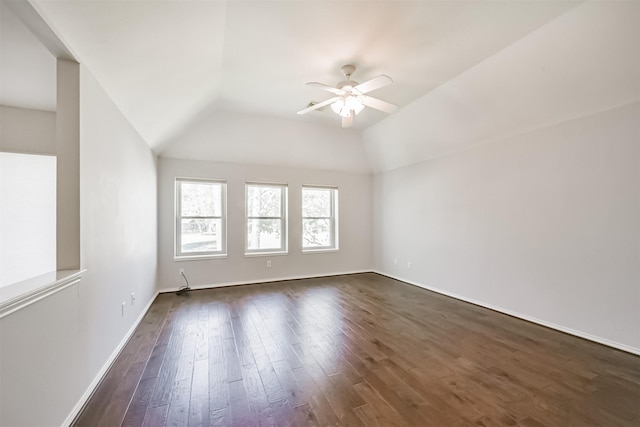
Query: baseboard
point(105, 368)
point(255, 282)
point(531, 319)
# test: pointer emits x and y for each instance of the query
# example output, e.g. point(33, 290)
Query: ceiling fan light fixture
point(350, 97)
point(344, 106)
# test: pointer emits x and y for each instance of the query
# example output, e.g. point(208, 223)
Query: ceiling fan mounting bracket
point(348, 69)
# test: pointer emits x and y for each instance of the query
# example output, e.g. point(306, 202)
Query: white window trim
point(333, 247)
point(177, 234)
point(284, 223)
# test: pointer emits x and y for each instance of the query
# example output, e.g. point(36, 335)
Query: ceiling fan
point(350, 96)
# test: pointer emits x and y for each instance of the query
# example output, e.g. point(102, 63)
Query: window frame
point(178, 255)
point(284, 221)
point(333, 220)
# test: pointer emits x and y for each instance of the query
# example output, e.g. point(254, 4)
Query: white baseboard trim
point(105, 368)
point(531, 319)
point(258, 281)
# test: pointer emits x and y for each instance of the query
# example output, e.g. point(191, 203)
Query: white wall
point(27, 216)
point(223, 136)
point(354, 213)
point(27, 68)
point(544, 225)
point(24, 130)
point(53, 350)
point(68, 126)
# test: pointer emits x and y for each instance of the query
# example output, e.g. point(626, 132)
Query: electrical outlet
point(409, 265)
point(180, 271)
point(268, 264)
point(133, 297)
point(124, 303)
point(395, 261)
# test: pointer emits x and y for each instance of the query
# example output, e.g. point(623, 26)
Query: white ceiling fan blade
point(328, 88)
point(318, 105)
point(347, 121)
point(379, 104)
point(373, 84)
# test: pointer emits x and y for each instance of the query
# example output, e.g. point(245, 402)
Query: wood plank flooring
point(356, 350)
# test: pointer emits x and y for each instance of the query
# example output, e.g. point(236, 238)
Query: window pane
point(316, 202)
point(316, 233)
point(264, 201)
point(201, 235)
point(264, 234)
point(201, 199)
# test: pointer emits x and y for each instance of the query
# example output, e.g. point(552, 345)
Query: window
point(266, 206)
point(200, 218)
point(319, 218)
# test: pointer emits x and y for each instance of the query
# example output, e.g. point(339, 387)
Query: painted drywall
point(52, 351)
point(27, 216)
point(269, 141)
point(68, 153)
point(23, 130)
point(544, 225)
point(27, 68)
point(580, 63)
point(354, 219)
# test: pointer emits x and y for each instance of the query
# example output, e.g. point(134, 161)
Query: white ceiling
point(584, 62)
point(165, 63)
point(27, 69)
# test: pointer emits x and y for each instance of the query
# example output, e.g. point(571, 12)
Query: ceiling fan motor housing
point(344, 83)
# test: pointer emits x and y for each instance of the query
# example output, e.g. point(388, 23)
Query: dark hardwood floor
point(356, 350)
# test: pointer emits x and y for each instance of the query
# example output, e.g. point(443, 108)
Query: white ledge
point(21, 294)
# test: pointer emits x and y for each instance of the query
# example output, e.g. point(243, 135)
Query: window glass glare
point(264, 201)
point(316, 202)
point(264, 234)
point(201, 235)
point(200, 222)
point(319, 218)
point(316, 233)
point(201, 199)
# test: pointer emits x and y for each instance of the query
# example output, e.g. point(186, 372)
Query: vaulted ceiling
point(223, 80)
point(167, 63)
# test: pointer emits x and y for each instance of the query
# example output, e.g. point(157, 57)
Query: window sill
point(21, 294)
point(259, 254)
point(199, 257)
point(319, 251)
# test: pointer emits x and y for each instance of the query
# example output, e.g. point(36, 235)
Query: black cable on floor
point(183, 290)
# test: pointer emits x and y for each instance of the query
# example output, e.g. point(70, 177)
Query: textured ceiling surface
point(166, 62)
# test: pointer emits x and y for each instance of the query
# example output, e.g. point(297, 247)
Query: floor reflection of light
point(299, 328)
point(319, 326)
